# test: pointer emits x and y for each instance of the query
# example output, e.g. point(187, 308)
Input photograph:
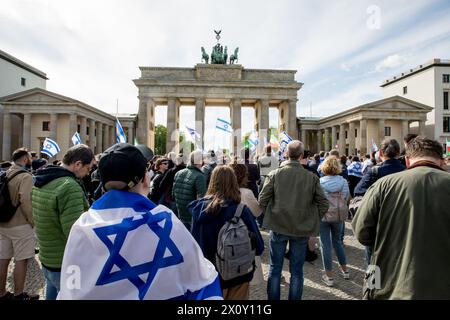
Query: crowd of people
point(208, 213)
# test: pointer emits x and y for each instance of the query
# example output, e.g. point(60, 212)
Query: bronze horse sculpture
point(234, 57)
point(205, 56)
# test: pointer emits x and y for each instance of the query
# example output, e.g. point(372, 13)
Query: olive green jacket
point(405, 218)
point(293, 201)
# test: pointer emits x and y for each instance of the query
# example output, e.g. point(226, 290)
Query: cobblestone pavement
point(314, 289)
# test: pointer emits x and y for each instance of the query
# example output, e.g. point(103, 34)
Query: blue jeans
point(368, 251)
point(330, 236)
point(52, 279)
point(297, 248)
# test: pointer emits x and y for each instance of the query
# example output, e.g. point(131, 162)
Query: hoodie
point(58, 199)
point(331, 184)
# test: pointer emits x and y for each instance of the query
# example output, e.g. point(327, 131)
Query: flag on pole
point(50, 147)
point(102, 251)
point(253, 138)
point(120, 135)
point(194, 137)
point(274, 142)
point(76, 139)
point(374, 146)
point(448, 147)
point(224, 125)
point(284, 140)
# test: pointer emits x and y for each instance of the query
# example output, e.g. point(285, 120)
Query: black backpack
point(7, 210)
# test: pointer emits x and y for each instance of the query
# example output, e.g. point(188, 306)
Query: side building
point(32, 115)
point(354, 131)
point(429, 84)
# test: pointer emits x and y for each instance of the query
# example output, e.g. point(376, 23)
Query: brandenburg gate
point(215, 84)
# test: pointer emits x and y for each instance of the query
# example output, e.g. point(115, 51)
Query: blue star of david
point(132, 272)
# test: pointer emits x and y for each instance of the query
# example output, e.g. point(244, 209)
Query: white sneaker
point(328, 281)
point(346, 275)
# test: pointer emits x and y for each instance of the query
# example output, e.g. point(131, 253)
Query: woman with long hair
point(247, 198)
point(209, 215)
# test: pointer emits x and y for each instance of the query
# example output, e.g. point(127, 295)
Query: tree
point(160, 139)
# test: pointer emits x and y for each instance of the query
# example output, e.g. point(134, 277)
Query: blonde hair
point(331, 166)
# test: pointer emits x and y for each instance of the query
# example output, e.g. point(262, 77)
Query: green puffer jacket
point(189, 185)
point(58, 200)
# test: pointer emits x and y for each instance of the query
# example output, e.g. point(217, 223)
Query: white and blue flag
point(76, 139)
point(284, 140)
point(120, 135)
point(374, 146)
point(194, 137)
point(50, 147)
point(125, 247)
point(253, 138)
point(224, 125)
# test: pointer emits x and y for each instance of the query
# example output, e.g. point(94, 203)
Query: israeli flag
point(50, 147)
point(284, 140)
point(125, 247)
point(120, 135)
point(374, 146)
point(253, 138)
point(76, 139)
point(195, 136)
point(224, 125)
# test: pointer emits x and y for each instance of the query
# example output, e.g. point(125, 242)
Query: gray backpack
point(235, 253)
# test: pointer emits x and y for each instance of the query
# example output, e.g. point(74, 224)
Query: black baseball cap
point(122, 162)
point(146, 151)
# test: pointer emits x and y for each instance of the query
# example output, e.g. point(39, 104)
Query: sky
point(342, 50)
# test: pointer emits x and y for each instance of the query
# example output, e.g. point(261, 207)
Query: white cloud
point(91, 50)
point(390, 62)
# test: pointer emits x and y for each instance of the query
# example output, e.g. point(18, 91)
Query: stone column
point(106, 135)
point(405, 128)
point(172, 140)
point(143, 122)
point(112, 135)
point(200, 120)
point(327, 139)
point(236, 143)
point(130, 137)
point(342, 139)
point(83, 125)
point(333, 137)
point(92, 134)
point(319, 140)
point(380, 131)
point(262, 122)
point(26, 140)
point(54, 126)
point(6, 147)
point(351, 137)
point(421, 128)
point(292, 129)
point(99, 137)
point(303, 137)
point(73, 127)
point(363, 136)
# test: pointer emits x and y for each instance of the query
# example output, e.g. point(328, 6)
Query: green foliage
point(160, 139)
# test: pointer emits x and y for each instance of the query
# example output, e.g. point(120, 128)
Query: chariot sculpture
point(219, 55)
